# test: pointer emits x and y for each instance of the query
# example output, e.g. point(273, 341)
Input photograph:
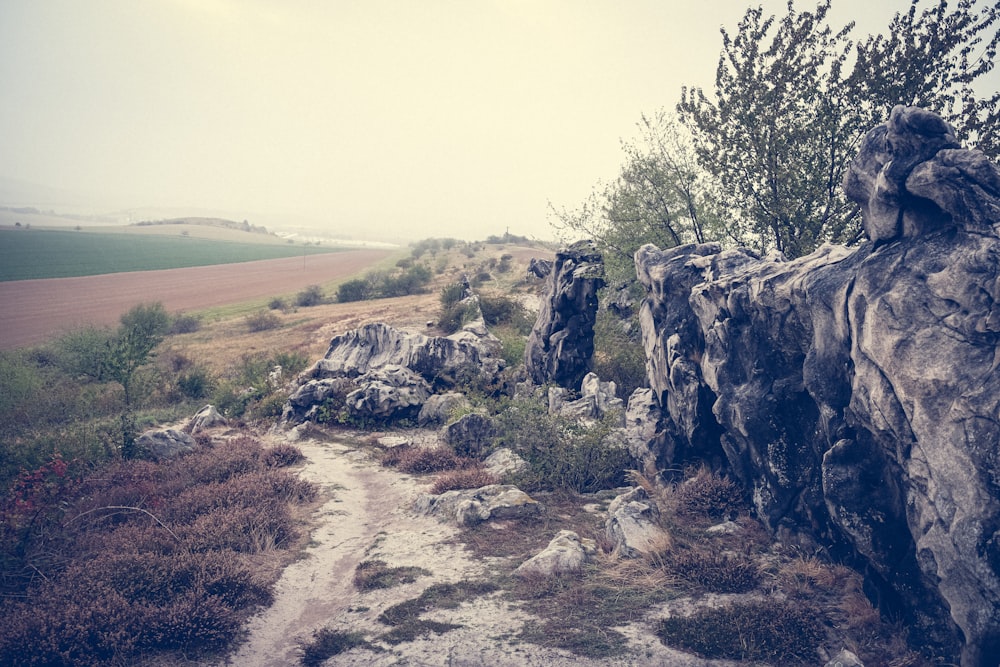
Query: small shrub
point(775, 632)
point(310, 296)
point(277, 303)
point(708, 494)
point(372, 574)
point(353, 290)
point(452, 293)
point(422, 459)
point(196, 383)
point(183, 324)
point(283, 455)
point(466, 478)
point(327, 643)
point(262, 321)
point(715, 572)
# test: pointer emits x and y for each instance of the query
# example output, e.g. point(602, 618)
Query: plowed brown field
point(32, 311)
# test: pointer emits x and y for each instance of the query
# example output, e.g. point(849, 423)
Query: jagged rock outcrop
point(380, 372)
point(561, 343)
point(597, 399)
point(855, 392)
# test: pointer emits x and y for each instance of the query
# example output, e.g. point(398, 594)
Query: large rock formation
point(562, 341)
point(856, 393)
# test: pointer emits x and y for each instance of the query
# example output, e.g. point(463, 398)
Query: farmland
point(27, 254)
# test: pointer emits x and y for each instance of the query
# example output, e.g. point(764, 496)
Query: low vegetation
point(110, 565)
point(34, 253)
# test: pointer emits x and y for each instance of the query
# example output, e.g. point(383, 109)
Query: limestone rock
point(854, 392)
point(469, 434)
point(566, 553)
point(539, 268)
point(597, 399)
point(561, 343)
point(387, 392)
point(206, 418)
point(845, 658)
point(439, 407)
point(633, 524)
point(160, 445)
point(503, 463)
point(472, 506)
point(439, 359)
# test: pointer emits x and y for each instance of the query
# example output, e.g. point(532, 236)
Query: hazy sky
point(413, 118)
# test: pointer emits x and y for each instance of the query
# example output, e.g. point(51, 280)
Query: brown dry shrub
point(422, 459)
point(708, 494)
point(466, 478)
point(282, 455)
point(714, 571)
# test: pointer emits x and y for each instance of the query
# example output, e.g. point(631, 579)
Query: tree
point(660, 196)
point(790, 108)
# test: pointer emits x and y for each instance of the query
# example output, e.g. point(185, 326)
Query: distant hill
point(208, 222)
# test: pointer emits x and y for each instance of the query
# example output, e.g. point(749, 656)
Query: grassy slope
point(28, 254)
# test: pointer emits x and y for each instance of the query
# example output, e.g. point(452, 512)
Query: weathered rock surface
point(503, 463)
point(160, 445)
point(597, 399)
point(439, 407)
point(566, 553)
point(856, 392)
point(633, 525)
point(470, 434)
point(206, 418)
point(378, 371)
point(473, 506)
point(437, 358)
point(562, 341)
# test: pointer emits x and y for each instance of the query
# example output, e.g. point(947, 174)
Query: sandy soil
point(368, 515)
point(35, 310)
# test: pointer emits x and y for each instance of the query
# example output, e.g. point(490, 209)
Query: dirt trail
point(369, 516)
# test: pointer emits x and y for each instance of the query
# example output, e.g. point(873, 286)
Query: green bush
point(562, 453)
point(195, 384)
point(184, 324)
point(353, 290)
point(310, 296)
point(262, 320)
point(619, 356)
point(277, 303)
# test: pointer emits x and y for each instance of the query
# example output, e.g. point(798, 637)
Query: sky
point(382, 119)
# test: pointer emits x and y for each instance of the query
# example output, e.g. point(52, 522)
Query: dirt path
point(32, 311)
point(369, 516)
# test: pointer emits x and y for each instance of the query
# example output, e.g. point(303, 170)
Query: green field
point(27, 254)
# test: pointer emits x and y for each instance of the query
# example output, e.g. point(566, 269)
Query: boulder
point(438, 408)
point(855, 392)
point(388, 392)
point(439, 359)
point(633, 525)
point(470, 434)
point(159, 445)
point(206, 418)
point(539, 268)
point(561, 342)
point(469, 507)
point(503, 463)
point(565, 554)
point(596, 400)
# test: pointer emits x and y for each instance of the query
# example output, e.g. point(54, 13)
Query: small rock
point(724, 528)
point(393, 441)
point(633, 524)
point(469, 434)
point(845, 659)
point(565, 553)
point(504, 462)
point(165, 444)
point(207, 417)
point(472, 506)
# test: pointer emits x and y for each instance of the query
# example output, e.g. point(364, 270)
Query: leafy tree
point(790, 107)
point(660, 196)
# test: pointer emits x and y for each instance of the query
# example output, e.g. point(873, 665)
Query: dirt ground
point(369, 514)
point(36, 310)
